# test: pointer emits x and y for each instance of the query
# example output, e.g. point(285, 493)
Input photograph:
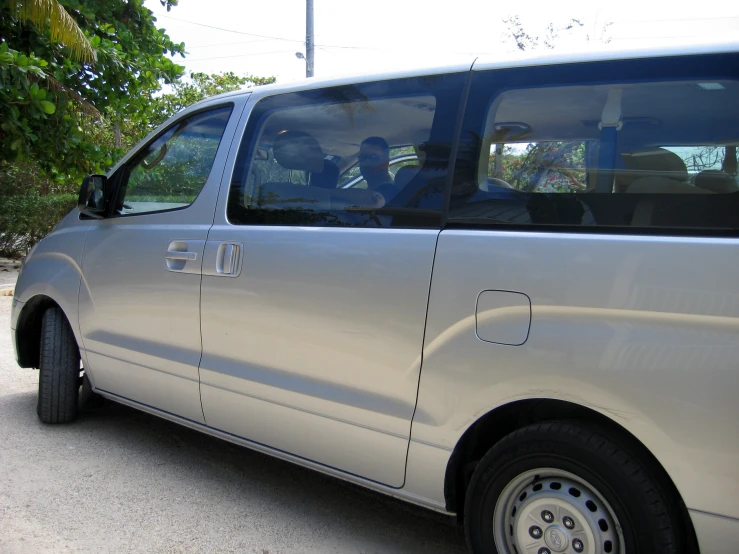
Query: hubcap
point(549, 510)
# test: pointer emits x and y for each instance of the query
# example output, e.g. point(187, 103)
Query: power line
point(359, 48)
point(238, 56)
point(268, 37)
point(376, 49)
point(230, 30)
point(265, 36)
point(229, 43)
point(443, 50)
point(327, 51)
point(291, 40)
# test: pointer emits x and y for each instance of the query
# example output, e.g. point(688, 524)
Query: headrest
point(326, 179)
point(716, 181)
point(656, 162)
point(298, 150)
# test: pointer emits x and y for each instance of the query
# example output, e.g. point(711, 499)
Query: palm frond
point(83, 104)
point(62, 27)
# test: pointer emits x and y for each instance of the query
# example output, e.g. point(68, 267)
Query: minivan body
point(559, 263)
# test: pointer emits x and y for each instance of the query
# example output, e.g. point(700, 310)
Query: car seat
point(716, 181)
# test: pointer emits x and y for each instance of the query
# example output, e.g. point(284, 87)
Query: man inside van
point(374, 163)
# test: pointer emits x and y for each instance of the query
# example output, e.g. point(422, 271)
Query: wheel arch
point(28, 330)
point(503, 420)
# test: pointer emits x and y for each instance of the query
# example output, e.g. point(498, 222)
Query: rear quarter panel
point(641, 329)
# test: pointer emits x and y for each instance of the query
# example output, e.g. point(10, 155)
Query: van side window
point(366, 155)
point(640, 154)
point(170, 171)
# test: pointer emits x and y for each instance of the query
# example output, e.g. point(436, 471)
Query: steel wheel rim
point(548, 511)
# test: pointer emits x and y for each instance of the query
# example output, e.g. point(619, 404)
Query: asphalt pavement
point(118, 480)
point(8, 275)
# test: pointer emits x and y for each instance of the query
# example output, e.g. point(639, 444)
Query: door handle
point(181, 253)
point(223, 258)
point(227, 258)
point(184, 256)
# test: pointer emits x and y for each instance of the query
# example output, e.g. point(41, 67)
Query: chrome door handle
point(184, 256)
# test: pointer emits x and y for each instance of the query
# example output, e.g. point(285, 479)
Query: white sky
point(357, 36)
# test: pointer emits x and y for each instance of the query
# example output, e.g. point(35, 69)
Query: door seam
point(420, 366)
point(232, 142)
point(444, 214)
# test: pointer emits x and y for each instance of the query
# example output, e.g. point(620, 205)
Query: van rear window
point(648, 153)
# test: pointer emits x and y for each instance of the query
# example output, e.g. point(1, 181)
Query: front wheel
point(565, 487)
point(59, 370)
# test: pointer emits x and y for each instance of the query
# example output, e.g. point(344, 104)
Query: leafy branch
point(61, 26)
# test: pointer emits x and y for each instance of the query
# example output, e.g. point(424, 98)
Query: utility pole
point(309, 38)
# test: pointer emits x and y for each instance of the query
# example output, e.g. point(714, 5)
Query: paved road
point(8, 273)
point(121, 481)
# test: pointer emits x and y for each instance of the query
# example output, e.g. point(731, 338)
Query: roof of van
point(508, 60)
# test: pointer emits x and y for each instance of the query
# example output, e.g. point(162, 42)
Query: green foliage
point(199, 87)
point(156, 109)
point(21, 100)
point(133, 59)
point(178, 163)
point(61, 27)
point(26, 219)
point(551, 166)
point(64, 116)
point(22, 177)
point(182, 172)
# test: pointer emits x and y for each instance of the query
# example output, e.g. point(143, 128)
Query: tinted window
point(170, 171)
point(641, 144)
point(399, 157)
point(331, 157)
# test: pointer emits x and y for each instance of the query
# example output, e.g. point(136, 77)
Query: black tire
point(59, 370)
point(645, 509)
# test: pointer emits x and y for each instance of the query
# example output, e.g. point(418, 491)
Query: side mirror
point(92, 200)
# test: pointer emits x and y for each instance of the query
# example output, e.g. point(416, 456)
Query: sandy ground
point(121, 481)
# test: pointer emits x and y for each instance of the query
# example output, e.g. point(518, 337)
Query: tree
point(546, 166)
point(550, 34)
point(62, 28)
point(117, 134)
point(200, 86)
point(64, 115)
point(46, 96)
point(29, 211)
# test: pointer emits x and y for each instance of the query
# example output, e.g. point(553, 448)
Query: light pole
point(309, 38)
point(301, 56)
point(309, 45)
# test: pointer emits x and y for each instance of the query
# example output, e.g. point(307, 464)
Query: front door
point(140, 297)
point(314, 297)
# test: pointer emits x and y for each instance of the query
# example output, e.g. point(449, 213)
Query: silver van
point(506, 291)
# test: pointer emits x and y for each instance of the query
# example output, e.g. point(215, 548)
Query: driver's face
point(372, 159)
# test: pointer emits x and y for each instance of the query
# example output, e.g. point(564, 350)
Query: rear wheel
point(59, 370)
point(564, 487)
